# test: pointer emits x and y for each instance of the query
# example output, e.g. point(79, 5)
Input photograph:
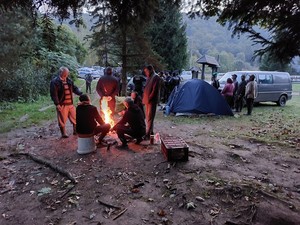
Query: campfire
point(106, 112)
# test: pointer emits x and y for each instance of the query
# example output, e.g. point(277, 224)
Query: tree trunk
point(124, 62)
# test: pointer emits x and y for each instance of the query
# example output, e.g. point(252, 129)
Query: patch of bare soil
point(232, 182)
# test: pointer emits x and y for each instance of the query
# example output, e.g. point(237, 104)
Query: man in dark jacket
point(150, 98)
point(132, 124)
point(139, 81)
point(88, 83)
point(87, 119)
point(240, 94)
point(61, 89)
point(108, 87)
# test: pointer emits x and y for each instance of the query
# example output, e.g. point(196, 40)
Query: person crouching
point(132, 124)
point(88, 119)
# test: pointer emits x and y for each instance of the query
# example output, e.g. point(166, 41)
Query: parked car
point(87, 70)
point(272, 86)
point(96, 74)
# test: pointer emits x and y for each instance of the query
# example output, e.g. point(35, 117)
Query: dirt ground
point(233, 182)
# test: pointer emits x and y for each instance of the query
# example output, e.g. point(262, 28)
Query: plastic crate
point(174, 148)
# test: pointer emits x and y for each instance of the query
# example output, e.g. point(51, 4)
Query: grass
point(269, 123)
point(296, 87)
point(15, 115)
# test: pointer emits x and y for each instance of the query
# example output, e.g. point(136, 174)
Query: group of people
point(235, 92)
point(86, 119)
point(168, 83)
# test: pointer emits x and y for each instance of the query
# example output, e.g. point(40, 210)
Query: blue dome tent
point(197, 97)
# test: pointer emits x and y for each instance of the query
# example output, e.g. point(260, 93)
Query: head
point(84, 98)
point(148, 70)
point(133, 95)
point(128, 102)
point(229, 80)
point(234, 76)
point(243, 77)
point(63, 72)
point(109, 71)
point(252, 77)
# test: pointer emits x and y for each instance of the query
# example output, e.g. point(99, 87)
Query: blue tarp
point(198, 97)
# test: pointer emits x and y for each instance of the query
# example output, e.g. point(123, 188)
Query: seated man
point(88, 119)
point(132, 124)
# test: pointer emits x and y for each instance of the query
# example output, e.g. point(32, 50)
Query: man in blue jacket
point(61, 91)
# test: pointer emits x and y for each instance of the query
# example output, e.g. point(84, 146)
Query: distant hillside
point(204, 37)
point(209, 37)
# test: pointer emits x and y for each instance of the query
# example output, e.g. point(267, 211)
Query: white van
point(272, 86)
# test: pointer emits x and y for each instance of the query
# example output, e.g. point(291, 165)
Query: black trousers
point(150, 115)
point(88, 87)
point(249, 102)
point(239, 103)
point(102, 130)
point(123, 130)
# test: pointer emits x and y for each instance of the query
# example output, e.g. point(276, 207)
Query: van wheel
point(282, 101)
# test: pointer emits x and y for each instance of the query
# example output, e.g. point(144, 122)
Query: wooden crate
point(174, 148)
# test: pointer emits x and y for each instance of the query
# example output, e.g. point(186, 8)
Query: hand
point(109, 98)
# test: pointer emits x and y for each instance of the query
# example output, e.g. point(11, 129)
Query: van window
point(265, 79)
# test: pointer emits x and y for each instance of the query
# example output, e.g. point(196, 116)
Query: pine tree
point(167, 35)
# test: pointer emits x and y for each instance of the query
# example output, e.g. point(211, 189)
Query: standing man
point(88, 83)
point(214, 81)
point(236, 85)
point(139, 81)
point(251, 90)
point(61, 89)
point(150, 98)
point(240, 94)
point(108, 87)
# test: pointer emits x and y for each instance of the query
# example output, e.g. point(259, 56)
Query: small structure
point(195, 71)
point(210, 61)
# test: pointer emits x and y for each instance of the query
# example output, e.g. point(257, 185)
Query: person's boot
point(63, 132)
point(74, 129)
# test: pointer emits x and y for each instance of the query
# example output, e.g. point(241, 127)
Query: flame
point(106, 112)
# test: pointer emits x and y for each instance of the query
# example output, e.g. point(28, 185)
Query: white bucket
point(86, 145)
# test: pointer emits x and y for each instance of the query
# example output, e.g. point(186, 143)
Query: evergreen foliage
point(280, 17)
point(32, 51)
point(167, 35)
